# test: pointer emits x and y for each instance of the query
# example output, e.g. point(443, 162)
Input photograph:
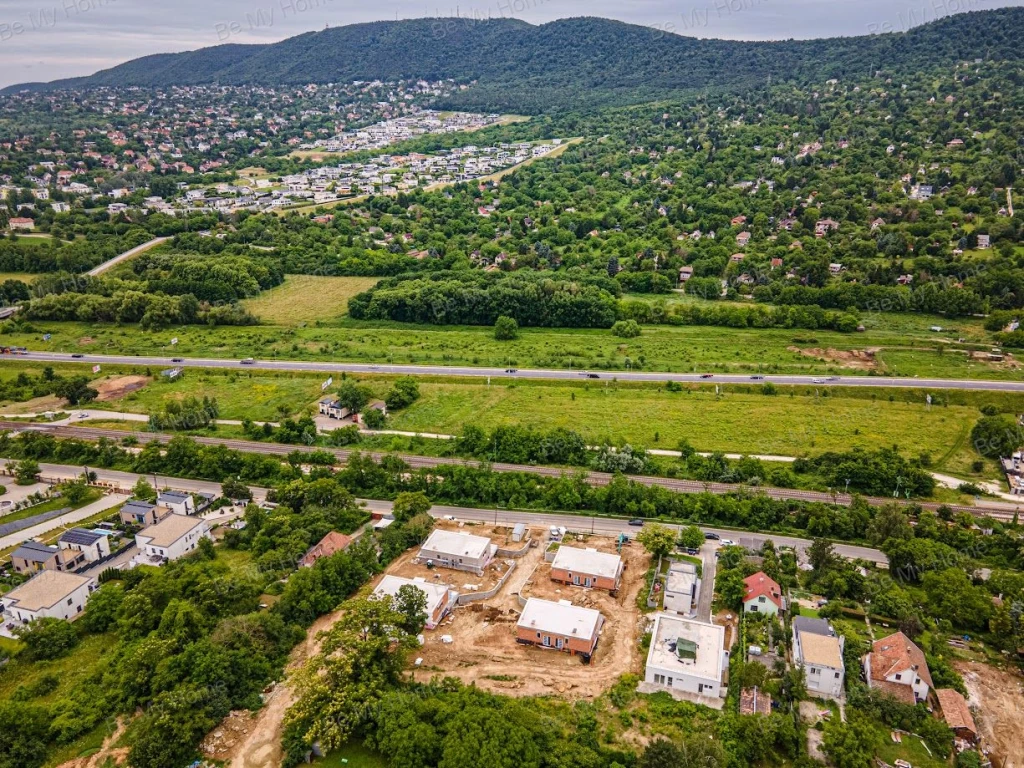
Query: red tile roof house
point(327, 546)
point(897, 667)
point(763, 595)
point(957, 714)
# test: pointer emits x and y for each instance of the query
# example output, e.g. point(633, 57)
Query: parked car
point(712, 536)
point(636, 521)
point(728, 543)
point(692, 551)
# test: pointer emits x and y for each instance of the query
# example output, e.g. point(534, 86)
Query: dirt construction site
point(479, 641)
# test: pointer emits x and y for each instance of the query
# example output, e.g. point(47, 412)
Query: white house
point(687, 655)
point(48, 594)
point(178, 502)
point(460, 551)
point(682, 586)
point(440, 599)
point(172, 537)
point(897, 667)
point(95, 546)
point(818, 649)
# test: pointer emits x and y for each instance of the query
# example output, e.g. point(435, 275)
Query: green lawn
point(72, 669)
point(49, 506)
point(902, 350)
point(352, 756)
point(307, 298)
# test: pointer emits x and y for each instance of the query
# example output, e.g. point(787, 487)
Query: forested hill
point(567, 63)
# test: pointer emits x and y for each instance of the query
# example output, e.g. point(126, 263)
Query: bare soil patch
point(119, 386)
point(117, 756)
point(858, 359)
point(85, 341)
point(484, 650)
point(997, 696)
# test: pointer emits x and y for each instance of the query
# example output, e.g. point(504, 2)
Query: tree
point(730, 588)
point(488, 738)
point(889, 522)
point(26, 472)
point(235, 490)
point(657, 539)
point(411, 602)
point(408, 505)
point(404, 393)
point(506, 329)
point(691, 537)
point(822, 555)
point(102, 607)
point(374, 418)
point(76, 390)
point(353, 396)
point(74, 491)
point(143, 490)
point(661, 753)
point(851, 744)
point(996, 436)
point(47, 638)
point(626, 329)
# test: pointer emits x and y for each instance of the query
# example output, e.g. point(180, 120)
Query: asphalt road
point(581, 523)
point(523, 373)
point(96, 271)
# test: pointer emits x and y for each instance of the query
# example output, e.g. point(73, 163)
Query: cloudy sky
point(49, 39)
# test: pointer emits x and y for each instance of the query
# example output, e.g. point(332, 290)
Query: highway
point(996, 510)
point(583, 523)
point(522, 373)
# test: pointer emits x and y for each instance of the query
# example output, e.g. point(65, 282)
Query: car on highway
point(833, 378)
point(818, 381)
point(637, 521)
point(248, 361)
point(177, 359)
point(593, 376)
point(757, 377)
point(712, 536)
point(77, 356)
point(511, 370)
point(707, 375)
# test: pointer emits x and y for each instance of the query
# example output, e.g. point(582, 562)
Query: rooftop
point(173, 497)
point(709, 640)
point(587, 561)
point(812, 626)
point(136, 505)
point(681, 577)
point(34, 552)
point(45, 589)
point(897, 653)
point(436, 593)
point(561, 618)
point(955, 711)
point(81, 537)
point(457, 544)
point(821, 650)
point(170, 529)
point(759, 584)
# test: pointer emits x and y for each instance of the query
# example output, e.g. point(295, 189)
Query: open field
point(307, 298)
point(484, 650)
point(25, 277)
point(660, 348)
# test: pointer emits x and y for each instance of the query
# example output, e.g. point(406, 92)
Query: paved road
point(707, 580)
point(997, 510)
point(524, 373)
point(580, 523)
point(64, 521)
point(96, 271)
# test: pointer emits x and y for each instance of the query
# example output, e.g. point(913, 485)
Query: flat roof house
point(332, 409)
point(587, 568)
point(331, 543)
point(897, 667)
point(763, 595)
point(461, 551)
point(818, 649)
point(178, 502)
point(93, 546)
point(562, 626)
point(682, 586)
point(33, 556)
point(687, 655)
point(440, 599)
point(49, 594)
point(172, 537)
point(136, 512)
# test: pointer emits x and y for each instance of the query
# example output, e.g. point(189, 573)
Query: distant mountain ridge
point(574, 63)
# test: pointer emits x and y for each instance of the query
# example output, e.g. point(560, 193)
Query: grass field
point(732, 422)
point(351, 756)
point(25, 277)
point(307, 298)
point(898, 351)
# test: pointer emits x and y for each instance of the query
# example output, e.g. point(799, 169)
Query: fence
point(652, 596)
point(500, 552)
point(472, 597)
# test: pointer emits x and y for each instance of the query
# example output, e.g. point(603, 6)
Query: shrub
point(626, 329)
point(506, 329)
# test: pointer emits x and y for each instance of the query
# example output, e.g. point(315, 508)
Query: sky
point(50, 39)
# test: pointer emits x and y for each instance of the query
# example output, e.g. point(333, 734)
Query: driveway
point(707, 581)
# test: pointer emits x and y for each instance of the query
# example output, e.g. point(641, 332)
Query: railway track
point(1005, 512)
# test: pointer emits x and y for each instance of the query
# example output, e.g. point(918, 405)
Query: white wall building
point(172, 537)
point(682, 588)
point(461, 551)
point(178, 502)
point(818, 649)
point(95, 546)
point(49, 594)
point(687, 655)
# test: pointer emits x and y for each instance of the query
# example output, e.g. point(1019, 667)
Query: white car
point(818, 381)
point(727, 543)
